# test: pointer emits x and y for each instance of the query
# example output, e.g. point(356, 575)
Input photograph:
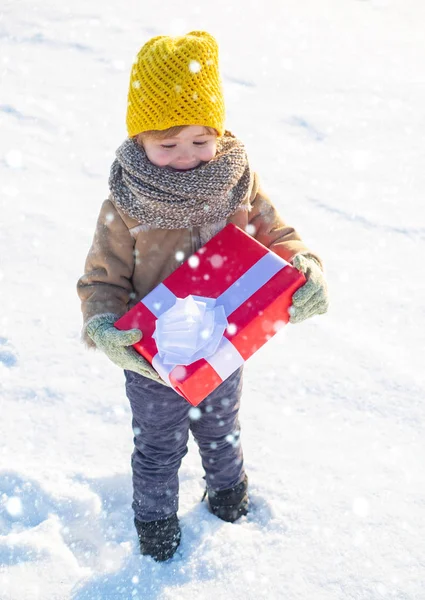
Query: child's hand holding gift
point(116, 345)
point(312, 298)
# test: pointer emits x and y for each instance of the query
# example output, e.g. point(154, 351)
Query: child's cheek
point(161, 159)
point(208, 153)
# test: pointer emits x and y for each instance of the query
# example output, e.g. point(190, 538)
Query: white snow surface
point(328, 97)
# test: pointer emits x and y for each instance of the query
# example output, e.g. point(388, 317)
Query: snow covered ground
point(328, 97)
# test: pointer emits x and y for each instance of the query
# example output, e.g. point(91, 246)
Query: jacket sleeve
point(106, 285)
point(268, 227)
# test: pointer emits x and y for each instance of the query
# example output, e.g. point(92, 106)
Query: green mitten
point(115, 344)
point(312, 298)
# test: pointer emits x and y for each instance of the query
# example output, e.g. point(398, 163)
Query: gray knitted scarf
point(161, 197)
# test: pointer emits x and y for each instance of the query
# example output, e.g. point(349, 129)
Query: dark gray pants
point(161, 423)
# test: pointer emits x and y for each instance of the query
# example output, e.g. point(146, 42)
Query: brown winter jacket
point(126, 262)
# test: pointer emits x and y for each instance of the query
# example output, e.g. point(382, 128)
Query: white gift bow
point(190, 330)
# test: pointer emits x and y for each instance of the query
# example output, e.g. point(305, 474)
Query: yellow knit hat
point(176, 81)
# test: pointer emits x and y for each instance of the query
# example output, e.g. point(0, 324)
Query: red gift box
point(240, 276)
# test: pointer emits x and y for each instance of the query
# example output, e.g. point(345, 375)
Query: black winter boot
point(159, 539)
point(230, 504)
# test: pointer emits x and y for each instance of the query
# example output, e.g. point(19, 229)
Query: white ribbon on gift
point(183, 316)
point(189, 330)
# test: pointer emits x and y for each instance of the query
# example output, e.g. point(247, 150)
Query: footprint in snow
point(8, 356)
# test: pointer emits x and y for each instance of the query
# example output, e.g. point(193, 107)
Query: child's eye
point(200, 143)
point(168, 145)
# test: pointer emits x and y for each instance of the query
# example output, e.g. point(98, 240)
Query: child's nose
point(186, 155)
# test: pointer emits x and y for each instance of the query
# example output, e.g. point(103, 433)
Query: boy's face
point(187, 150)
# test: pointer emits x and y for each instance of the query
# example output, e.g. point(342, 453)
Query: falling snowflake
point(195, 413)
point(14, 506)
point(249, 576)
point(231, 329)
point(119, 65)
point(179, 372)
point(267, 325)
point(193, 261)
point(278, 325)
point(14, 159)
point(216, 261)
point(194, 66)
point(205, 334)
